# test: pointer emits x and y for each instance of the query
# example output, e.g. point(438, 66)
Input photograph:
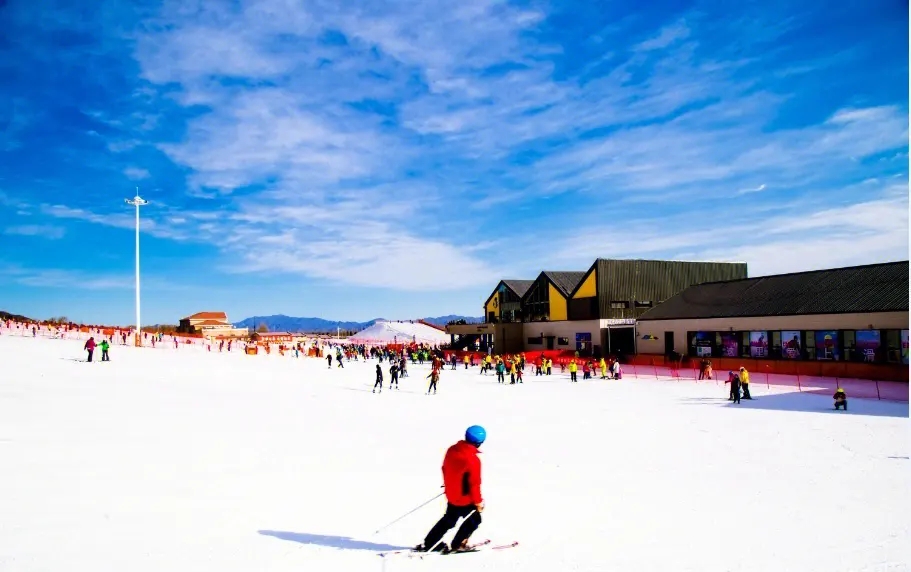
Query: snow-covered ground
point(201, 461)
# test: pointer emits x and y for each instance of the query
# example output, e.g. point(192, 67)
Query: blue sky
point(352, 161)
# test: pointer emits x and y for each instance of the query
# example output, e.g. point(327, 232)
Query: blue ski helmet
point(475, 434)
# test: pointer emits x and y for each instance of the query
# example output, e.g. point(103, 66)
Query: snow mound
point(399, 332)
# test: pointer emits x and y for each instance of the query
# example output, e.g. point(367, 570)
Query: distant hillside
point(443, 320)
point(281, 323)
point(14, 317)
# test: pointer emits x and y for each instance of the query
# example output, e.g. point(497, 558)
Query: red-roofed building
point(211, 324)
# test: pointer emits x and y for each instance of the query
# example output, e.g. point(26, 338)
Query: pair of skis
point(477, 547)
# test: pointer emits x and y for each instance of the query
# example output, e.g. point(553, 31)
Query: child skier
point(841, 399)
point(394, 376)
point(379, 379)
point(105, 347)
point(734, 380)
point(434, 378)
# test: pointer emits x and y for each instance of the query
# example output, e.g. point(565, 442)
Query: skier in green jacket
point(105, 346)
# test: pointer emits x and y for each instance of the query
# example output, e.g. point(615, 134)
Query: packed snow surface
point(188, 460)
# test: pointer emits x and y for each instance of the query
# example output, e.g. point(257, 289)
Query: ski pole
point(422, 505)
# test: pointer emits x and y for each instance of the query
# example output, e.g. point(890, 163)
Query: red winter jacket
point(462, 475)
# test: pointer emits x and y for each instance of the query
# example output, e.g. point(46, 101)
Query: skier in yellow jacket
point(573, 368)
point(603, 366)
point(745, 382)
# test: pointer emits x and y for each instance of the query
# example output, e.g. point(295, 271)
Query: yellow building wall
point(589, 288)
point(491, 307)
point(557, 304)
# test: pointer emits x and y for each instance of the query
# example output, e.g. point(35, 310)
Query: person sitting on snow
point(841, 399)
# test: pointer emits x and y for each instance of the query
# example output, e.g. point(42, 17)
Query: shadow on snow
point(340, 542)
point(807, 403)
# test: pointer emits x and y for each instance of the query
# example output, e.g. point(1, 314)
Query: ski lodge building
point(210, 325)
point(590, 311)
point(850, 321)
point(854, 315)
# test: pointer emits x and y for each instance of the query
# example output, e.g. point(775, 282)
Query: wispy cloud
point(59, 278)
point(758, 189)
point(383, 145)
point(795, 236)
point(136, 174)
point(41, 231)
point(668, 36)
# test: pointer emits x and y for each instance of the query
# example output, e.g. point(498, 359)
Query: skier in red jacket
point(462, 480)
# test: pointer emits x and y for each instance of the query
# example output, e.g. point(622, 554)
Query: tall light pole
point(137, 202)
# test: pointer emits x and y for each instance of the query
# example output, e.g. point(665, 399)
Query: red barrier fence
point(803, 368)
point(860, 388)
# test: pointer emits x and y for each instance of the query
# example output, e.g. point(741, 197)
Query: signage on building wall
point(618, 322)
point(790, 344)
point(759, 344)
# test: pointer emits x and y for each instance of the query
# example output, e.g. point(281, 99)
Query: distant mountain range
point(280, 323)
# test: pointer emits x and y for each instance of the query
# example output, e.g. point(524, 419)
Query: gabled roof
point(856, 289)
point(565, 281)
point(519, 287)
point(208, 316)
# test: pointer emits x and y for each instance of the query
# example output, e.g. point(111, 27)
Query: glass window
point(848, 339)
point(644, 304)
point(775, 350)
point(700, 343)
point(619, 305)
point(809, 344)
point(893, 346)
point(745, 344)
point(562, 341)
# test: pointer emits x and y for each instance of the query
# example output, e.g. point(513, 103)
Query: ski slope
point(200, 461)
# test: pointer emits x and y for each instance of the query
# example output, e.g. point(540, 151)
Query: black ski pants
point(105, 356)
point(746, 390)
point(500, 378)
point(841, 404)
point(572, 376)
point(449, 520)
point(433, 387)
point(90, 354)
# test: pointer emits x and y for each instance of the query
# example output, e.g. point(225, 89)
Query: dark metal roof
point(871, 288)
point(520, 287)
point(565, 281)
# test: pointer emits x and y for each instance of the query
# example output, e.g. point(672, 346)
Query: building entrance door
point(668, 343)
